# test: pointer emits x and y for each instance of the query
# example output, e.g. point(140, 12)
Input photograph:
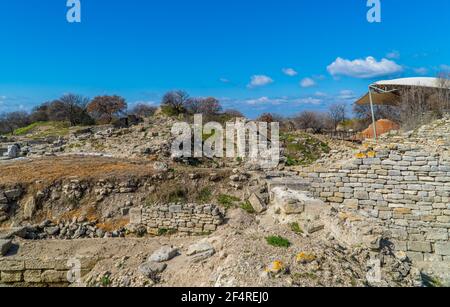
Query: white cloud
point(259, 80)
point(393, 55)
point(290, 72)
point(266, 100)
point(445, 67)
point(421, 71)
point(224, 80)
point(308, 100)
point(320, 94)
point(363, 68)
point(307, 82)
point(346, 95)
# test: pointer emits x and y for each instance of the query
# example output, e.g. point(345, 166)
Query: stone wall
point(184, 218)
point(36, 272)
point(403, 188)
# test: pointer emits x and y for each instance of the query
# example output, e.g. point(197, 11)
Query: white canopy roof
point(418, 82)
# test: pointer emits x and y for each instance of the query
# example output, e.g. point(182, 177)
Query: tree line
point(77, 110)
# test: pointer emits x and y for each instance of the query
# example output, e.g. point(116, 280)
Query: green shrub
point(278, 241)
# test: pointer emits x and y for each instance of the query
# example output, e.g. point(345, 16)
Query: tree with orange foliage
point(105, 108)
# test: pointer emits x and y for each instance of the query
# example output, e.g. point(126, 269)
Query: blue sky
point(258, 56)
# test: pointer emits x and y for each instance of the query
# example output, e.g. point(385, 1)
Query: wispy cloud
point(363, 68)
point(290, 72)
point(259, 81)
point(393, 55)
point(320, 94)
point(421, 71)
point(346, 95)
point(444, 67)
point(307, 82)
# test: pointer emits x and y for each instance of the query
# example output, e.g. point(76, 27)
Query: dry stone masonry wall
point(401, 187)
point(19, 271)
point(184, 218)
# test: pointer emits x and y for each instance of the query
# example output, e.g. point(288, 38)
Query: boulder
point(13, 194)
point(163, 254)
point(257, 204)
point(13, 151)
point(202, 256)
point(199, 247)
point(148, 269)
point(5, 245)
point(29, 208)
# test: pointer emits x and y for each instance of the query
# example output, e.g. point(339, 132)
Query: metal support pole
point(373, 115)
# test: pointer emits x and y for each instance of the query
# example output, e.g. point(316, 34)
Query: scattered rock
point(160, 167)
point(314, 227)
point(276, 268)
point(305, 258)
point(200, 247)
point(164, 254)
point(149, 269)
point(5, 245)
point(257, 204)
point(13, 151)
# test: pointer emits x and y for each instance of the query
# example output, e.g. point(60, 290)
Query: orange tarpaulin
point(383, 126)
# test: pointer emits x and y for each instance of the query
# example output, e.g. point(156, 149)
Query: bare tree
point(234, 113)
point(14, 120)
point(143, 110)
point(444, 89)
point(174, 102)
point(73, 109)
point(364, 114)
point(337, 114)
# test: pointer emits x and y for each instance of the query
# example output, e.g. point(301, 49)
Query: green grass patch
point(166, 232)
point(278, 241)
point(204, 195)
point(295, 227)
point(227, 200)
point(44, 129)
point(248, 207)
point(303, 149)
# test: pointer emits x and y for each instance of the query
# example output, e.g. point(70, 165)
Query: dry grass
point(48, 170)
point(113, 225)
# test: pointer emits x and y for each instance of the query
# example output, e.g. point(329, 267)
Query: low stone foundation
point(184, 218)
point(36, 272)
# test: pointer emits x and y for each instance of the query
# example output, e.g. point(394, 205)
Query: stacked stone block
point(405, 189)
point(184, 218)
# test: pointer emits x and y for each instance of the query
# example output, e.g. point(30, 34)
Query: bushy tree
point(105, 108)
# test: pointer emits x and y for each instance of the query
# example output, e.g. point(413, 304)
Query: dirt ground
point(50, 169)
